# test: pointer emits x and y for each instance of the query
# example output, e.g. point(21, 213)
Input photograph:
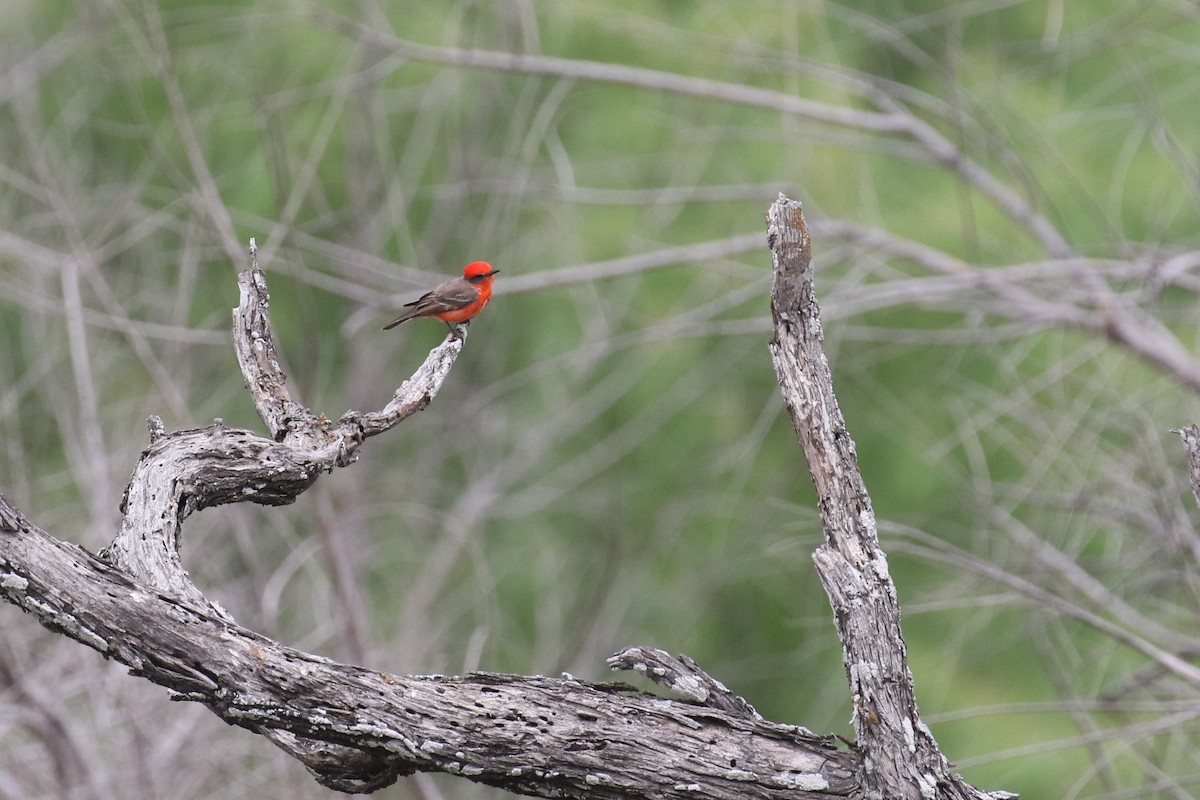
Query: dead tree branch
point(357, 730)
point(360, 729)
point(1191, 447)
point(900, 757)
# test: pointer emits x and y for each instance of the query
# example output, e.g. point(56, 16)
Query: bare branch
point(681, 674)
point(354, 729)
point(630, 265)
point(540, 736)
point(945, 152)
point(1191, 446)
point(288, 420)
point(532, 64)
point(900, 757)
point(185, 471)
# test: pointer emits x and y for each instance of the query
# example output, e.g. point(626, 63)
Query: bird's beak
point(493, 272)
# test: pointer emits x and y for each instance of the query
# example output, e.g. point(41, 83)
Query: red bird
point(453, 301)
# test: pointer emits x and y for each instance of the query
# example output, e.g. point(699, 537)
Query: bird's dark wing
point(450, 296)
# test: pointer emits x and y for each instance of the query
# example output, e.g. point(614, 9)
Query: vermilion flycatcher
point(453, 301)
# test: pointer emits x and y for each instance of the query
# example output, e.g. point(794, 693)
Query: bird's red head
point(478, 269)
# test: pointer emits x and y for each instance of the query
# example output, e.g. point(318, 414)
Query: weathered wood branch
point(184, 471)
point(358, 730)
point(533, 735)
point(1191, 448)
point(681, 674)
point(900, 757)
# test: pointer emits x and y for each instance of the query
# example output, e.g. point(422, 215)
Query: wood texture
point(900, 757)
point(358, 730)
point(552, 737)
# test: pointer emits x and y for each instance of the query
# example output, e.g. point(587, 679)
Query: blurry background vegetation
point(1004, 197)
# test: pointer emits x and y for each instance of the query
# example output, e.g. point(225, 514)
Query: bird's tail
point(405, 317)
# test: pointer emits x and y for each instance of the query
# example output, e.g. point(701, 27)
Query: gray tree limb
point(550, 737)
point(1191, 447)
point(357, 730)
point(900, 757)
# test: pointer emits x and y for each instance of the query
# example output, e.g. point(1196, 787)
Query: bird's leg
point(458, 330)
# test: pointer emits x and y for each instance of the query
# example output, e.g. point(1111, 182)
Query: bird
point(454, 301)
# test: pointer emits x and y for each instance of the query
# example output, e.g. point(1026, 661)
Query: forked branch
point(355, 729)
point(358, 730)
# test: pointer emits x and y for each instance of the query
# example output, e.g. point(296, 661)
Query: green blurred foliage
point(609, 462)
